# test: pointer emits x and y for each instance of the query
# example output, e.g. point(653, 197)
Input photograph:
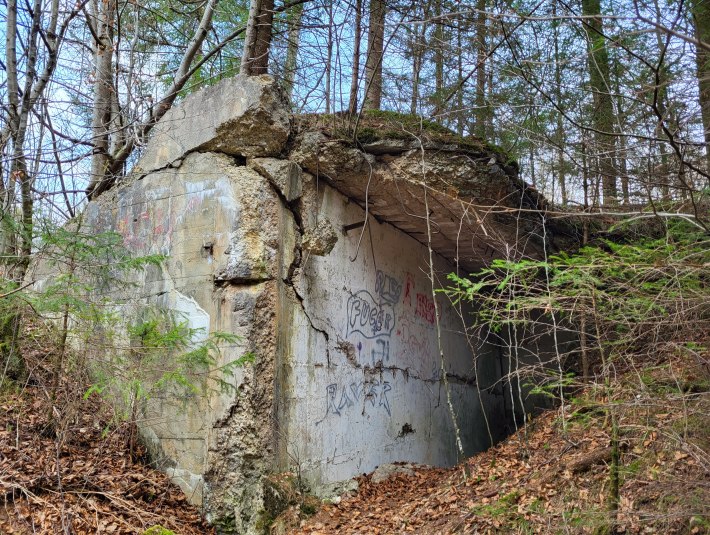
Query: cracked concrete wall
point(219, 224)
point(361, 353)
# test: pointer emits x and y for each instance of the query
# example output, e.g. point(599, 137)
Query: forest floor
point(552, 476)
point(76, 474)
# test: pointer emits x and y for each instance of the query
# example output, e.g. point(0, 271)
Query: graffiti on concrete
point(340, 398)
point(387, 287)
point(425, 308)
point(154, 226)
point(381, 351)
point(367, 317)
point(417, 341)
point(408, 289)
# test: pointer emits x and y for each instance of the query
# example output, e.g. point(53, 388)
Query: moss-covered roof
point(374, 126)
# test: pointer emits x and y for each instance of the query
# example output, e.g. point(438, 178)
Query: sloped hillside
point(553, 476)
point(74, 472)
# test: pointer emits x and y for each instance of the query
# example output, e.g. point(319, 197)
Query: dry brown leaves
point(83, 481)
point(546, 479)
point(76, 475)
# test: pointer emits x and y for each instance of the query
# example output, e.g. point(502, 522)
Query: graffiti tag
point(367, 317)
point(387, 287)
point(339, 398)
point(425, 308)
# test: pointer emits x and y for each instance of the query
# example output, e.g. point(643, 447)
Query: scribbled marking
point(380, 353)
point(340, 398)
point(408, 289)
point(368, 318)
point(425, 308)
point(387, 287)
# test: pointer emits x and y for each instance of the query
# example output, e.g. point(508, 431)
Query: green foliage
point(506, 509)
point(85, 280)
point(623, 299)
point(622, 287)
point(165, 357)
point(83, 265)
point(165, 353)
point(158, 530)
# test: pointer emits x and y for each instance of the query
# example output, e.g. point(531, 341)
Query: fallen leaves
point(540, 480)
point(82, 483)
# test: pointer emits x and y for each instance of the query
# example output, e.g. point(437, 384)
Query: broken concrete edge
point(248, 117)
point(390, 132)
point(242, 114)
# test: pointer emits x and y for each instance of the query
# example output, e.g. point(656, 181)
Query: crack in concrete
point(379, 368)
point(300, 300)
point(239, 281)
point(296, 263)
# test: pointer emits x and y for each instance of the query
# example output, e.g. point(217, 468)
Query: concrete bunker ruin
point(314, 250)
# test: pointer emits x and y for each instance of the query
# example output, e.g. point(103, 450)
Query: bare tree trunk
point(355, 76)
point(250, 36)
point(260, 64)
point(603, 114)
point(625, 194)
point(103, 23)
point(417, 48)
point(623, 168)
point(294, 40)
point(329, 59)
point(438, 52)
point(460, 115)
point(185, 70)
point(662, 91)
point(559, 132)
point(481, 37)
point(700, 10)
point(375, 49)
point(21, 103)
point(255, 58)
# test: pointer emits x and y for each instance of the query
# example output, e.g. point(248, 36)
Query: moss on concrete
point(381, 125)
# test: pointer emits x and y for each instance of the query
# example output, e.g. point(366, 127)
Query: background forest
point(603, 104)
point(600, 103)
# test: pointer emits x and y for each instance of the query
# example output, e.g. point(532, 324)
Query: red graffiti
point(425, 308)
point(408, 287)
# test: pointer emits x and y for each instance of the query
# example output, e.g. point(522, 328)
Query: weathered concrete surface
point(222, 229)
point(335, 302)
point(477, 207)
point(361, 350)
point(283, 174)
point(242, 116)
